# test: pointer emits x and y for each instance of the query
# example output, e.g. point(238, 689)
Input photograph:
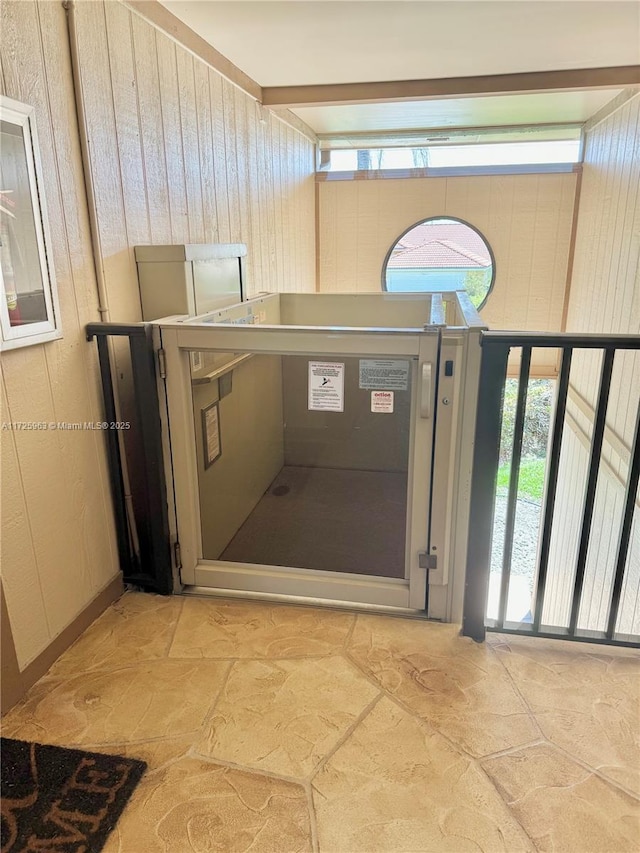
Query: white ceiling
point(305, 42)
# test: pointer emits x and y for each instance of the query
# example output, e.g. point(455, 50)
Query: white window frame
point(23, 116)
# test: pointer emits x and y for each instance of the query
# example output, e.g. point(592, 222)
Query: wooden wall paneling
point(256, 230)
point(20, 573)
point(151, 131)
point(43, 460)
point(367, 251)
point(289, 212)
point(190, 144)
point(267, 168)
point(243, 202)
point(127, 123)
point(73, 372)
point(106, 176)
point(498, 234)
point(268, 163)
point(232, 145)
point(277, 132)
point(293, 140)
point(205, 148)
point(327, 241)
point(220, 158)
point(170, 106)
point(28, 378)
point(627, 269)
point(347, 237)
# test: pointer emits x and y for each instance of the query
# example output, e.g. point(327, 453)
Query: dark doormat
point(62, 800)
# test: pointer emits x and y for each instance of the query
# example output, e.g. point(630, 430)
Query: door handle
point(426, 371)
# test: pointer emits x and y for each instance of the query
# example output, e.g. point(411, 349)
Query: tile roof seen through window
point(441, 244)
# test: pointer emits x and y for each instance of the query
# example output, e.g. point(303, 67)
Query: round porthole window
point(440, 255)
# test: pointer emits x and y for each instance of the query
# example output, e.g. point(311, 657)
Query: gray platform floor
point(330, 519)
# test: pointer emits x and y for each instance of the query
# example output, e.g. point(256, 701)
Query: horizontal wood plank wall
point(181, 155)
point(58, 542)
point(525, 218)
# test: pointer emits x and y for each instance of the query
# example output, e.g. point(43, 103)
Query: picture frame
point(29, 309)
point(211, 441)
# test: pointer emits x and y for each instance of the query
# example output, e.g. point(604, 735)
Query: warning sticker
point(326, 386)
point(382, 401)
point(389, 374)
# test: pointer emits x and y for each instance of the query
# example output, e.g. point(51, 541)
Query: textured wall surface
point(526, 220)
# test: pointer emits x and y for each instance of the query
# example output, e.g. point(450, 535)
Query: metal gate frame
point(496, 347)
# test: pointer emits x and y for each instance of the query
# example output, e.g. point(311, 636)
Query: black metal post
point(156, 569)
point(592, 482)
point(552, 483)
point(493, 372)
point(514, 476)
point(115, 462)
point(625, 530)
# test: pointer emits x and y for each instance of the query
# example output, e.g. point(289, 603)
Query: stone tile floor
point(277, 728)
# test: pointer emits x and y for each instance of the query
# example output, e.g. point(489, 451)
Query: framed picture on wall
point(29, 311)
point(211, 434)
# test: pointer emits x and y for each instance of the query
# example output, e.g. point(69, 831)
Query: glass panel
point(303, 460)
point(19, 250)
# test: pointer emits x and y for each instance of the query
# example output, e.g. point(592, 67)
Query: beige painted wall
point(177, 154)
point(525, 218)
point(604, 298)
point(58, 546)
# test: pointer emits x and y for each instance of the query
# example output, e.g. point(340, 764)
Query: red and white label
point(382, 401)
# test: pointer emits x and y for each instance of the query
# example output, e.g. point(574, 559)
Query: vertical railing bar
point(514, 476)
point(115, 461)
point(592, 482)
point(625, 530)
point(493, 371)
point(552, 483)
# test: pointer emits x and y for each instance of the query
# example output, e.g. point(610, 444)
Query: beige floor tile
point(458, 686)
point(396, 785)
point(284, 716)
point(151, 700)
point(587, 703)
point(215, 629)
point(137, 627)
point(197, 806)
point(564, 807)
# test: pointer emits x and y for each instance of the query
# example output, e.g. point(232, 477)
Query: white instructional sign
point(382, 401)
point(388, 374)
point(326, 386)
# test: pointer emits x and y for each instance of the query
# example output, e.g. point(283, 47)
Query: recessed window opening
point(454, 148)
point(446, 156)
point(440, 255)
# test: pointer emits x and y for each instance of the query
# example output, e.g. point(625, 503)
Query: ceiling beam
point(285, 97)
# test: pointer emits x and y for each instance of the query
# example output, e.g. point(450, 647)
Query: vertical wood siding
point(181, 155)
point(604, 298)
point(605, 287)
point(58, 548)
point(178, 154)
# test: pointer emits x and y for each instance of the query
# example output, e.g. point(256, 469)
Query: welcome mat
point(62, 800)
